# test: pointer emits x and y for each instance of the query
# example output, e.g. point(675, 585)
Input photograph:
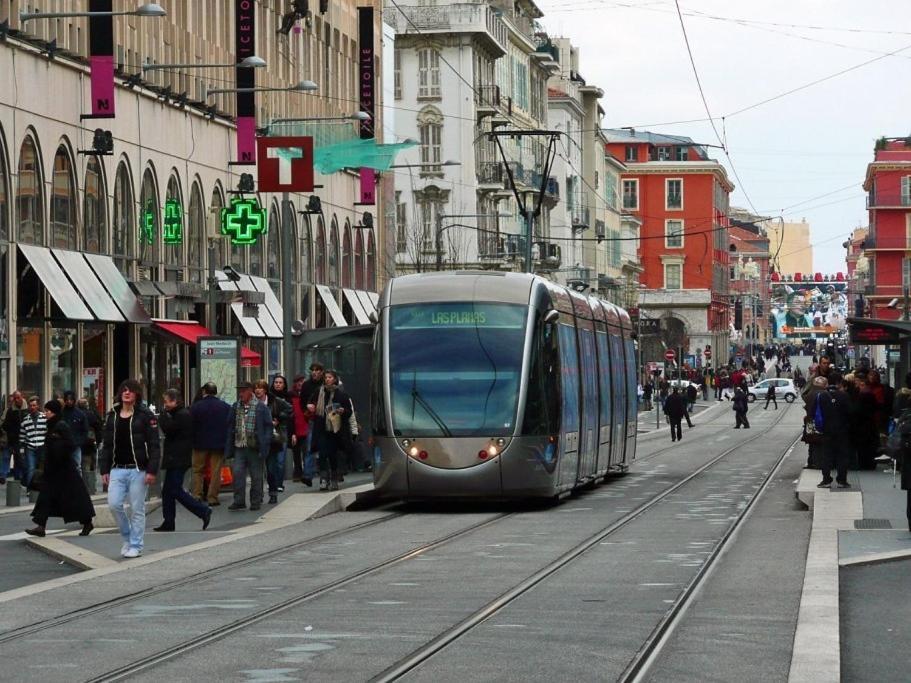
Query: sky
point(803, 155)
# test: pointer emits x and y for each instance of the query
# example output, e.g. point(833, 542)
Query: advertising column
point(245, 44)
point(367, 83)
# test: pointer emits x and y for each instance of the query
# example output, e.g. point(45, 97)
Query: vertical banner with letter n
point(367, 90)
point(101, 59)
point(245, 43)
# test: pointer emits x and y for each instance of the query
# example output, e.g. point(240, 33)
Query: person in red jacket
point(303, 460)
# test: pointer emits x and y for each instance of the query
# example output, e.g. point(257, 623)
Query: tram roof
point(460, 285)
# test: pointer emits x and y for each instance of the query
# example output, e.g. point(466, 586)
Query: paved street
point(352, 605)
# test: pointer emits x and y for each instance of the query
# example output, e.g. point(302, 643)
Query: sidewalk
point(855, 531)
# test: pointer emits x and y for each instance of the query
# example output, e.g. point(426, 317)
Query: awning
point(145, 288)
point(366, 301)
point(88, 285)
point(189, 331)
point(56, 283)
point(118, 288)
point(356, 306)
point(332, 306)
point(273, 305)
point(251, 326)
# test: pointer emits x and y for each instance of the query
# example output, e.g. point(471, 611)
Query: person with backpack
point(832, 417)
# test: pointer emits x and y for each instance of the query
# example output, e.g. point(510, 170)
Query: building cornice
point(876, 166)
point(684, 167)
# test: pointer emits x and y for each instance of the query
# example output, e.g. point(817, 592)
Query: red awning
point(189, 331)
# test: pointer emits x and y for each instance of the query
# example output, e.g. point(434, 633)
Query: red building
point(887, 245)
point(682, 198)
point(750, 273)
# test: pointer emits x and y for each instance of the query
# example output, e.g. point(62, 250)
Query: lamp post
point(252, 62)
point(301, 86)
point(149, 9)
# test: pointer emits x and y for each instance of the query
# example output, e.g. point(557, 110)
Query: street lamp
point(302, 86)
point(425, 164)
point(149, 9)
point(252, 62)
point(356, 116)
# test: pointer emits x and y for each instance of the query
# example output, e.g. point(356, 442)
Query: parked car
point(784, 388)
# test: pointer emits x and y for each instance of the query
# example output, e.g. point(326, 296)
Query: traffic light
point(246, 182)
point(103, 142)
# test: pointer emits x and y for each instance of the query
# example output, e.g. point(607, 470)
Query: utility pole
point(529, 231)
point(287, 239)
point(438, 241)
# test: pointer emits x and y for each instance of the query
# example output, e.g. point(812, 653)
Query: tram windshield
point(455, 368)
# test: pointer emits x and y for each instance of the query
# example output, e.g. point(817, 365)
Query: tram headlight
point(406, 443)
point(501, 442)
point(492, 450)
point(413, 452)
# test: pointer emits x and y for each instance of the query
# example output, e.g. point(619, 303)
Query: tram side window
point(377, 402)
point(542, 408)
point(631, 383)
point(570, 370)
point(604, 378)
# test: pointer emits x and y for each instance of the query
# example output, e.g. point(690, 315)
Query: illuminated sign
point(173, 222)
point(147, 225)
point(459, 318)
point(244, 221)
point(874, 334)
point(459, 315)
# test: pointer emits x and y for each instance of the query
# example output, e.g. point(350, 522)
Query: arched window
point(346, 256)
point(94, 209)
point(30, 194)
point(173, 231)
point(63, 202)
point(332, 256)
point(319, 256)
point(274, 249)
point(196, 235)
point(124, 233)
point(371, 263)
point(149, 223)
point(304, 236)
point(359, 259)
point(430, 127)
point(4, 193)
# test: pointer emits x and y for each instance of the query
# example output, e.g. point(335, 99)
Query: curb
point(298, 507)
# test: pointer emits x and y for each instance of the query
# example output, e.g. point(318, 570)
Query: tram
point(491, 385)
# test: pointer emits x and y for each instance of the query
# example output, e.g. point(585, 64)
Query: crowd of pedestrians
point(46, 447)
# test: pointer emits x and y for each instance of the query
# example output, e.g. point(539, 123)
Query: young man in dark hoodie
point(278, 393)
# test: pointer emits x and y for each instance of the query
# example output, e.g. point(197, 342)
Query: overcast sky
point(789, 151)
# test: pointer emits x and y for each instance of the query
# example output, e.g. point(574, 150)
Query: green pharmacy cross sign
point(173, 222)
point(244, 221)
point(147, 225)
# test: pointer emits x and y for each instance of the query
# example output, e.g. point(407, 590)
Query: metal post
point(438, 241)
point(529, 226)
point(13, 493)
point(213, 283)
point(287, 287)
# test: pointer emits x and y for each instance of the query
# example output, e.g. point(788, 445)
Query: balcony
point(898, 242)
point(477, 19)
point(580, 217)
point(487, 100)
point(889, 200)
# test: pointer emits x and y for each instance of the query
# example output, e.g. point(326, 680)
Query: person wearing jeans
point(32, 433)
point(129, 463)
point(247, 439)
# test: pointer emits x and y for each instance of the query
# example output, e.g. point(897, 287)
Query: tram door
point(618, 409)
point(589, 438)
point(632, 403)
point(604, 381)
point(569, 364)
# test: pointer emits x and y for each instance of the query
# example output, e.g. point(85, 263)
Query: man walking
point(836, 434)
point(79, 426)
point(249, 433)
point(32, 433)
point(770, 396)
point(12, 419)
point(210, 415)
point(675, 409)
point(740, 408)
point(128, 462)
point(691, 395)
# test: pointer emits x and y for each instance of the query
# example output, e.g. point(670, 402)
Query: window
point(673, 234)
point(359, 269)
point(4, 199)
point(664, 154)
point(30, 195)
point(681, 154)
point(428, 72)
point(150, 217)
point(401, 224)
point(610, 189)
point(304, 255)
point(94, 215)
point(332, 255)
point(397, 70)
point(673, 194)
point(630, 194)
point(631, 153)
point(672, 275)
point(370, 264)
point(430, 125)
point(196, 235)
point(319, 254)
point(521, 85)
point(63, 202)
point(123, 233)
point(906, 190)
point(346, 256)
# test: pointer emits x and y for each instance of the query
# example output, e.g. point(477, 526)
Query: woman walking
point(177, 454)
point(63, 494)
point(332, 429)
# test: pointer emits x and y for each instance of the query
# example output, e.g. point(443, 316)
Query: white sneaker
point(132, 552)
point(123, 549)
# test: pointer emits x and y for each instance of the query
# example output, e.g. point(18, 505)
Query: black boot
point(86, 528)
point(165, 526)
point(37, 531)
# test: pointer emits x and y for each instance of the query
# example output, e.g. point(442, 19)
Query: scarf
point(321, 401)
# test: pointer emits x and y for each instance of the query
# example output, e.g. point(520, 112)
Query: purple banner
point(367, 78)
point(368, 186)
point(101, 59)
point(245, 46)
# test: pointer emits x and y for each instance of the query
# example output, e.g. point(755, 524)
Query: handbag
point(811, 435)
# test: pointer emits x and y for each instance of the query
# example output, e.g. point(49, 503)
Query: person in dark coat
point(675, 409)
point(12, 418)
point(866, 433)
point(741, 406)
point(95, 435)
point(331, 428)
point(770, 397)
point(210, 414)
point(79, 425)
point(691, 395)
point(835, 405)
point(906, 484)
point(63, 492)
point(249, 433)
point(176, 455)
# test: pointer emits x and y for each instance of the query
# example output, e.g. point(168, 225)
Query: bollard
point(13, 493)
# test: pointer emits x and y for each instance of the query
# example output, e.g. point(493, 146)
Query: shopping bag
point(227, 478)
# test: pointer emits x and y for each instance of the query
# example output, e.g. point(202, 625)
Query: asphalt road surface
point(584, 590)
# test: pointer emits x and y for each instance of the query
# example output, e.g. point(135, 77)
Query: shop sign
point(173, 222)
point(243, 221)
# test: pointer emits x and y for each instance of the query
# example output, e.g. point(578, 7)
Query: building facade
point(681, 197)
point(790, 244)
point(750, 276)
point(149, 210)
point(888, 243)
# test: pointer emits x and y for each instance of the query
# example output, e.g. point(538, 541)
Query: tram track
point(651, 648)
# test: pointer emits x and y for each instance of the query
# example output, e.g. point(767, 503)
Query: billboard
point(808, 309)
